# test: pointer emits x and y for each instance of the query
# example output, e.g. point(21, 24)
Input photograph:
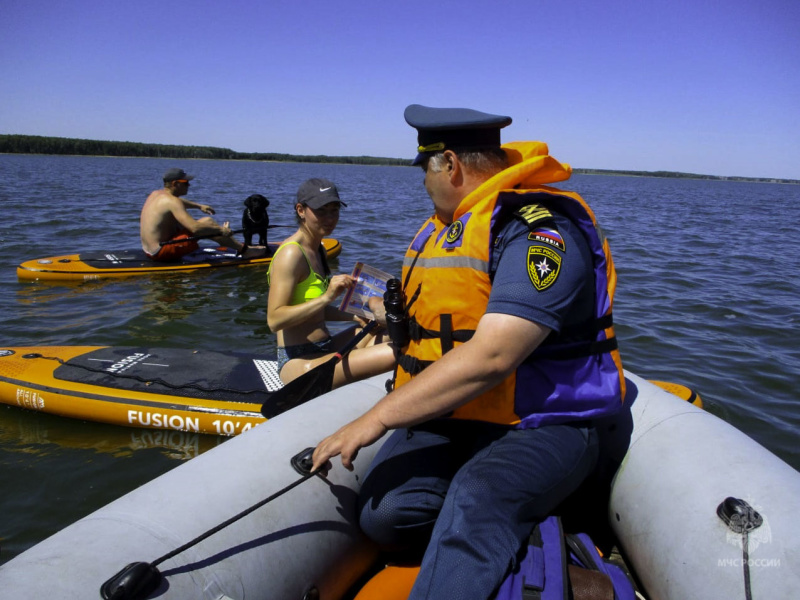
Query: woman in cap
point(301, 290)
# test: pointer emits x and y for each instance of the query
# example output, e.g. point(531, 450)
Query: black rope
point(145, 380)
point(233, 519)
point(742, 518)
point(139, 580)
point(748, 594)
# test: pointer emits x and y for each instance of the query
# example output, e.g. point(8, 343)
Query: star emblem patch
point(544, 265)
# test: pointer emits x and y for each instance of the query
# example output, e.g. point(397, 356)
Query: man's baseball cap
point(316, 192)
point(174, 174)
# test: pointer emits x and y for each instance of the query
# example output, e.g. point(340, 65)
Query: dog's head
point(256, 203)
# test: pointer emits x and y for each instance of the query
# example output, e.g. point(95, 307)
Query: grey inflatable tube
point(304, 542)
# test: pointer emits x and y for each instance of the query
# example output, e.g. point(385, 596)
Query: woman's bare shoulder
point(289, 259)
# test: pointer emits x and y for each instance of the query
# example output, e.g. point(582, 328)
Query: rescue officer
point(511, 359)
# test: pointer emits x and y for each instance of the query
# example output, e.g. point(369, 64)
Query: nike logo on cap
point(324, 189)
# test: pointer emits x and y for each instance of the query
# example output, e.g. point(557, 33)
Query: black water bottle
point(396, 320)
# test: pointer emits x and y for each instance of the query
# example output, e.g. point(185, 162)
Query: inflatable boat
point(103, 264)
point(682, 465)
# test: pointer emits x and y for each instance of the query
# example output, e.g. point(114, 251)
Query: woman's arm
point(289, 267)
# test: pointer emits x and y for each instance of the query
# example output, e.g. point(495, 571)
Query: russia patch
point(548, 235)
point(544, 265)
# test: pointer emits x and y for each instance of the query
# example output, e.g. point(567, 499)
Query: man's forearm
point(499, 345)
point(189, 203)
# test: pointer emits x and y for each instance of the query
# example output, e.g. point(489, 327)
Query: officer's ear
point(452, 166)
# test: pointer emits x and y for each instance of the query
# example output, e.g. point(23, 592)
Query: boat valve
point(303, 461)
point(742, 518)
point(739, 515)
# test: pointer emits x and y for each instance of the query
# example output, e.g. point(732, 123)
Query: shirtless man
point(165, 217)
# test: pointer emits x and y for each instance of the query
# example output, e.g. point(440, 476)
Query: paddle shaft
point(194, 238)
point(365, 331)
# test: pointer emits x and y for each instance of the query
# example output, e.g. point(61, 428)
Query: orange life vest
point(447, 285)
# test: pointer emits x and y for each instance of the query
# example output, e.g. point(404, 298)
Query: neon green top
point(311, 287)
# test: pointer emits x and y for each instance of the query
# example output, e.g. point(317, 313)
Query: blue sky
point(701, 86)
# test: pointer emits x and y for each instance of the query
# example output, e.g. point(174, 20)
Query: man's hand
point(364, 431)
point(501, 342)
point(378, 309)
point(206, 209)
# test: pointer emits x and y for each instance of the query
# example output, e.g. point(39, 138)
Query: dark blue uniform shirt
point(521, 259)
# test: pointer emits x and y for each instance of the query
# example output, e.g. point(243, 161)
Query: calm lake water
point(708, 296)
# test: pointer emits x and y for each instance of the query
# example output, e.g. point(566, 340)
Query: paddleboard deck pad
point(162, 388)
point(124, 263)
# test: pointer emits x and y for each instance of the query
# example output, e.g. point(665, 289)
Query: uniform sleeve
point(544, 276)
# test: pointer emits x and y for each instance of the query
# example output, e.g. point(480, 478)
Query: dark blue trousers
point(475, 490)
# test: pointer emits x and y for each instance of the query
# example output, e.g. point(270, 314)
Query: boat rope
point(742, 518)
point(748, 594)
point(139, 580)
point(234, 518)
point(148, 381)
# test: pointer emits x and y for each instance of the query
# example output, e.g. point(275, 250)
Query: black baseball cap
point(317, 192)
point(174, 174)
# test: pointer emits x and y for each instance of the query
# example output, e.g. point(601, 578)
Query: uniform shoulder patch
point(544, 266)
point(533, 215)
point(549, 236)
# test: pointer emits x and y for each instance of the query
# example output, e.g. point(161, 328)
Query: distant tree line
point(35, 144)
point(678, 175)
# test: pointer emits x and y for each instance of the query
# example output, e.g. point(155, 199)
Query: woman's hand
point(338, 285)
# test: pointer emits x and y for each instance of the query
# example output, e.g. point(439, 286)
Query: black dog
point(255, 219)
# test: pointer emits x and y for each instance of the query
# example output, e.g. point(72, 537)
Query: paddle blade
point(316, 382)
point(136, 581)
